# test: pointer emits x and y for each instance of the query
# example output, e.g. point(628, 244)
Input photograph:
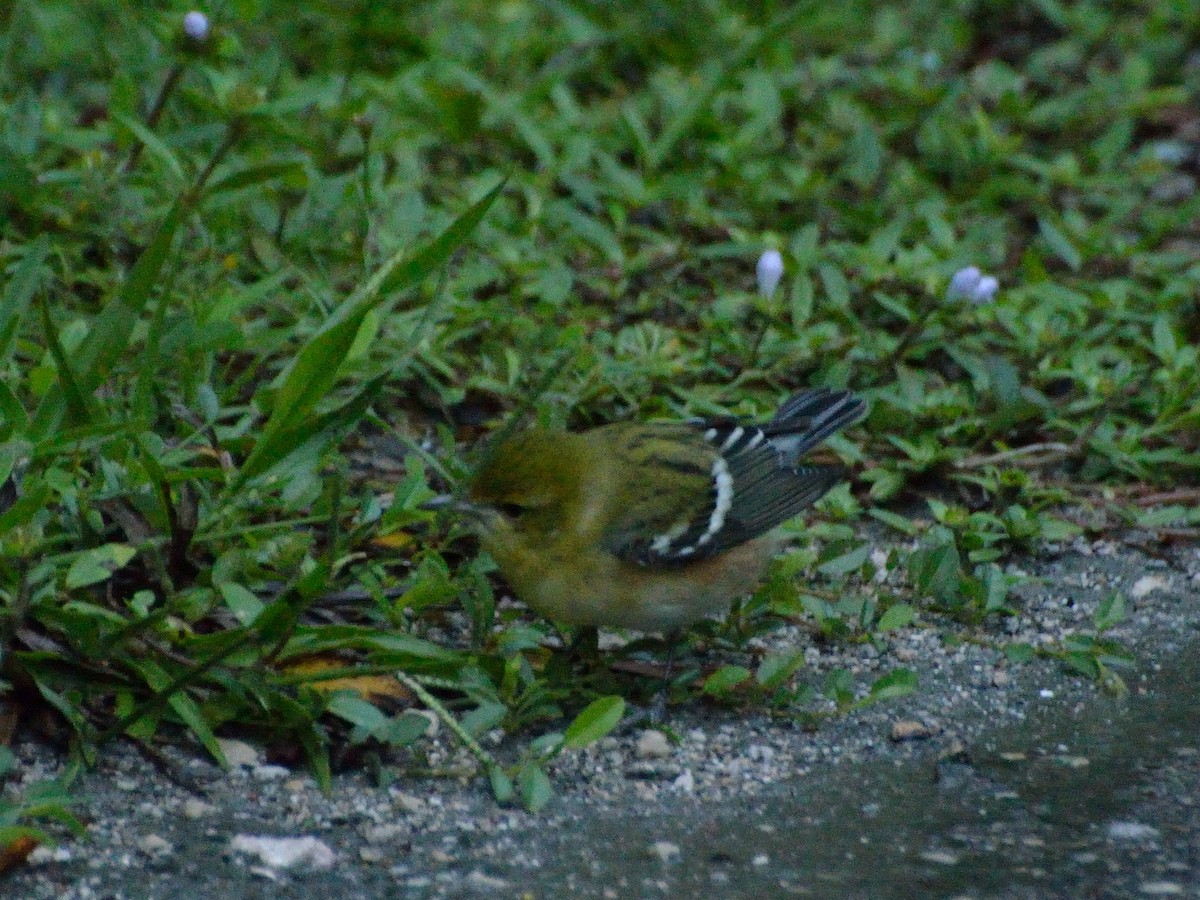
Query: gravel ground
point(1017, 781)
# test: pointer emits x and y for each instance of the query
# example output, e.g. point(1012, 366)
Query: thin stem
point(156, 111)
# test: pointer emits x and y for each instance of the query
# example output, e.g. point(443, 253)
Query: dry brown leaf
point(369, 687)
point(16, 853)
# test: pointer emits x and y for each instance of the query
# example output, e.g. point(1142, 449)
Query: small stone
point(386, 833)
point(941, 857)
point(652, 744)
point(481, 881)
point(1161, 889)
point(197, 809)
point(665, 851)
point(270, 773)
point(1132, 831)
point(408, 803)
point(370, 855)
point(126, 784)
point(41, 855)
point(905, 654)
point(686, 782)
point(285, 852)
point(1046, 694)
point(1001, 678)
point(1147, 584)
point(760, 860)
point(155, 845)
point(909, 730)
point(238, 753)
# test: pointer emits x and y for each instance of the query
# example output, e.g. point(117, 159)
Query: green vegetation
point(253, 281)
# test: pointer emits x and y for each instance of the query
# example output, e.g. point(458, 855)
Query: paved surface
point(1031, 783)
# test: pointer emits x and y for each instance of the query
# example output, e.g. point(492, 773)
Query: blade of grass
point(77, 405)
point(19, 292)
point(314, 371)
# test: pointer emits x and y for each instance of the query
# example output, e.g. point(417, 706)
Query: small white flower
point(195, 25)
point(973, 286)
point(769, 271)
point(985, 291)
point(964, 283)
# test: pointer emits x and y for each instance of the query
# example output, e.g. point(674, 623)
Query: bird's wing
point(736, 480)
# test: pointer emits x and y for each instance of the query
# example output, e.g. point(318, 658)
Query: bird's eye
point(511, 510)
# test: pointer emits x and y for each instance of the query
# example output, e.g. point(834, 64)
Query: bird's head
point(529, 484)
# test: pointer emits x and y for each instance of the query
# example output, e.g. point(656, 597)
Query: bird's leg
point(658, 708)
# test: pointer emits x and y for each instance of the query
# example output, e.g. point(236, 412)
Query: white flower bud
point(985, 291)
point(195, 25)
point(769, 271)
point(964, 283)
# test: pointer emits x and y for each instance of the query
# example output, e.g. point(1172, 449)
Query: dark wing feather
point(760, 483)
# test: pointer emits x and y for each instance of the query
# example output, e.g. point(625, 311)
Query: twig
point(1051, 451)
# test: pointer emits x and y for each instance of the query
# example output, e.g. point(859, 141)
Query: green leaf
point(725, 679)
point(241, 602)
point(1060, 244)
point(536, 790)
point(184, 707)
point(850, 561)
point(596, 720)
point(19, 292)
point(1110, 612)
point(897, 683)
point(113, 328)
point(293, 173)
point(77, 403)
point(899, 523)
point(25, 508)
point(314, 371)
point(98, 564)
point(898, 616)
point(502, 786)
point(776, 668)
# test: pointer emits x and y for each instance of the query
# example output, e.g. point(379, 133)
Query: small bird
point(650, 527)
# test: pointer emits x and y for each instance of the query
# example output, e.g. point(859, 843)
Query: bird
point(650, 527)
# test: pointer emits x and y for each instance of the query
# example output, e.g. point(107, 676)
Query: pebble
point(385, 833)
point(652, 744)
point(909, 730)
point(285, 852)
point(238, 753)
point(481, 881)
point(1161, 888)
point(197, 809)
point(155, 845)
point(1147, 584)
point(665, 851)
point(1001, 678)
point(408, 803)
point(41, 855)
point(941, 857)
point(1132, 831)
point(270, 773)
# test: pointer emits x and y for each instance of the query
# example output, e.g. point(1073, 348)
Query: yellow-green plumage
point(650, 527)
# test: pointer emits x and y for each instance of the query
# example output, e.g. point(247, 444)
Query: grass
point(236, 268)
